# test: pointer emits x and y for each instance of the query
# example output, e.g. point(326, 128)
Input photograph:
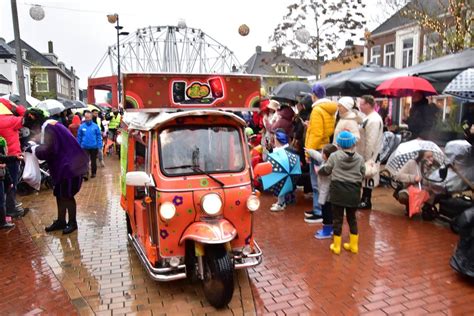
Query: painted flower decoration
point(237, 202)
point(178, 200)
point(164, 233)
point(204, 182)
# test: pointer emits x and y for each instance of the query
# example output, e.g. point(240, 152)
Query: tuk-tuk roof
point(146, 121)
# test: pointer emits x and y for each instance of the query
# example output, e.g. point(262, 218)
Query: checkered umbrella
point(285, 173)
point(462, 86)
point(410, 150)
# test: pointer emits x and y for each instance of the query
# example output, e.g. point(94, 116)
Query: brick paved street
point(402, 267)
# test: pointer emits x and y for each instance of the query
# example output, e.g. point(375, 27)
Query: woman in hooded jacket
point(349, 120)
point(284, 120)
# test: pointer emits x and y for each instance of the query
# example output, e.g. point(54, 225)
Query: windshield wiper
point(196, 168)
point(180, 167)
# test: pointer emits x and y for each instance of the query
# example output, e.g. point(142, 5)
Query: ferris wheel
point(172, 49)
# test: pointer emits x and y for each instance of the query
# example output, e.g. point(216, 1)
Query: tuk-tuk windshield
point(200, 149)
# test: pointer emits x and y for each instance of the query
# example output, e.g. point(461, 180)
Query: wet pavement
point(402, 266)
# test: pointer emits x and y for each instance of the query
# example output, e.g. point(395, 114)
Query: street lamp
point(114, 19)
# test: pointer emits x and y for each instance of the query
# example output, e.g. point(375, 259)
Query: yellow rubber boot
point(336, 245)
point(353, 245)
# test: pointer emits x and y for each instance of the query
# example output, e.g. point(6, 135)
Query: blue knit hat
point(318, 90)
point(346, 140)
point(281, 137)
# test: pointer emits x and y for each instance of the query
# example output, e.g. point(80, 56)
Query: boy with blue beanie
point(347, 170)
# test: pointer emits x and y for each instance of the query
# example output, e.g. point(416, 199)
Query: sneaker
point(278, 208)
point(16, 213)
point(7, 226)
point(92, 176)
point(308, 213)
point(365, 205)
point(324, 233)
point(56, 225)
point(70, 228)
point(314, 219)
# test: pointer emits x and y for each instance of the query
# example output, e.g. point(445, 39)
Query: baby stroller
point(463, 258)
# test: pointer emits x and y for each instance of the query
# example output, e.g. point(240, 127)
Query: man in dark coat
point(423, 117)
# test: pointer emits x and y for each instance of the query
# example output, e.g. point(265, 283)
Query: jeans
point(2, 203)
point(314, 186)
point(13, 169)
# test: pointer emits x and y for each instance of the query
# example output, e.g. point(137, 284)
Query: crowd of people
point(70, 144)
point(338, 143)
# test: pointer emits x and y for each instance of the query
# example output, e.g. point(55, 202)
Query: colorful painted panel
point(190, 91)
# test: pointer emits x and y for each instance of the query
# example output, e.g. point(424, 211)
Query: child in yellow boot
point(347, 170)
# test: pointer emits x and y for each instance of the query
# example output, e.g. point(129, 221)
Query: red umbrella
point(104, 104)
point(406, 86)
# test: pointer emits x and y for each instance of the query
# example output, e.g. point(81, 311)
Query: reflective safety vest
point(115, 122)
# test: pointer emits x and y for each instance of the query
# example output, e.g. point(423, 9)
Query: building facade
point(352, 56)
point(8, 70)
point(275, 68)
point(400, 42)
point(50, 78)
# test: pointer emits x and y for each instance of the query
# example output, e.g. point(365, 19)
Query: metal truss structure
point(172, 49)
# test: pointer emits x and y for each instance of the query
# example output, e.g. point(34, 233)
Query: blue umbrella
point(285, 173)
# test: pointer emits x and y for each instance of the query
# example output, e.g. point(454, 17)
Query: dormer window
point(281, 68)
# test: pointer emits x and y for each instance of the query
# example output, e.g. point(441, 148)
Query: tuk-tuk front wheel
point(218, 280)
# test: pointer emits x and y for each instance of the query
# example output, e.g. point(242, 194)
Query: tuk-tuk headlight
point(167, 210)
point(211, 203)
point(253, 203)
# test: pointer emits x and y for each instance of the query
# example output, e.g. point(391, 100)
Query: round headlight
point(167, 210)
point(211, 203)
point(253, 203)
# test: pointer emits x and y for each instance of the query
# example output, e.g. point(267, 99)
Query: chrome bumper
point(254, 259)
point(171, 274)
point(158, 274)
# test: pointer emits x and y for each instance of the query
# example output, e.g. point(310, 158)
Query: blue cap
point(281, 137)
point(346, 140)
point(318, 90)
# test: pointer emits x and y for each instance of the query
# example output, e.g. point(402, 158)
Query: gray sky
point(81, 34)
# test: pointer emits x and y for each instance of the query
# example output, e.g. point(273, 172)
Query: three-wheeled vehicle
point(187, 181)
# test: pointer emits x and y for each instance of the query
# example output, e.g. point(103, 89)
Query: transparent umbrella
point(462, 86)
point(53, 107)
point(410, 150)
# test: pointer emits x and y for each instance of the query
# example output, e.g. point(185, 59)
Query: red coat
point(9, 129)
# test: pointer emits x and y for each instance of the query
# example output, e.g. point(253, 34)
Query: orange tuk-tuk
point(187, 181)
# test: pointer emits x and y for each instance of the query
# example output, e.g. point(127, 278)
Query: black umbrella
point(353, 82)
point(291, 91)
point(74, 104)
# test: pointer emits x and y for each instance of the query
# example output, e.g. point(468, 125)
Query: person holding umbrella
point(423, 117)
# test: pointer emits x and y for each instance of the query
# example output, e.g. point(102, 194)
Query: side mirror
point(262, 169)
point(139, 179)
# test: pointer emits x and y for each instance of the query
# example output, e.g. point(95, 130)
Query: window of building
point(42, 82)
point(432, 46)
point(375, 55)
point(407, 52)
point(389, 55)
point(281, 68)
point(62, 84)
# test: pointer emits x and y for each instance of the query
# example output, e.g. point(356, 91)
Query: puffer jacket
point(285, 120)
point(321, 124)
point(349, 121)
point(9, 128)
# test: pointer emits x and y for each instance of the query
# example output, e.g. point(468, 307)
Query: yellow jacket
point(321, 124)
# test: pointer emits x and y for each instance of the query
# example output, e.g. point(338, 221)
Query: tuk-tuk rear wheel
point(218, 280)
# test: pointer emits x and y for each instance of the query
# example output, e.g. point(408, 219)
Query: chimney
point(2, 40)
point(349, 43)
point(50, 47)
point(279, 50)
point(258, 49)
